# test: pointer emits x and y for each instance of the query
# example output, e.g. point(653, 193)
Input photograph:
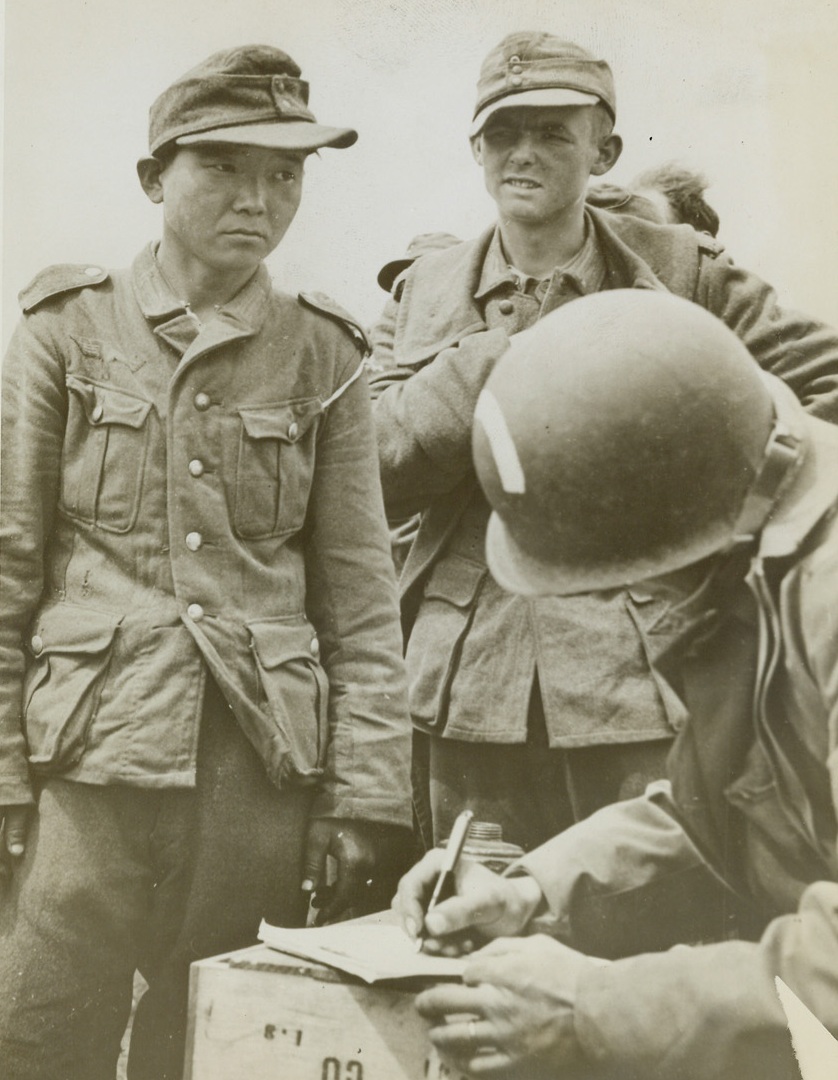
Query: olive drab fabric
point(742, 842)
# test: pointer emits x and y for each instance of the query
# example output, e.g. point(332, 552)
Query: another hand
point(520, 993)
point(369, 858)
point(486, 905)
point(14, 825)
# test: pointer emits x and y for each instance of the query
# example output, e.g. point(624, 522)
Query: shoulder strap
point(61, 278)
point(326, 306)
point(709, 244)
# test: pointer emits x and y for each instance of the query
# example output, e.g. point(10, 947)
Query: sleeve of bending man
point(424, 424)
point(628, 879)
point(704, 1012)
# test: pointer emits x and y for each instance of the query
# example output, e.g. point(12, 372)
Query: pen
point(445, 882)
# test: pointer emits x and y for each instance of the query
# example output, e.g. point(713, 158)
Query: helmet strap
point(782, 458)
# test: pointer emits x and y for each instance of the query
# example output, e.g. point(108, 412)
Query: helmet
point(619, 438)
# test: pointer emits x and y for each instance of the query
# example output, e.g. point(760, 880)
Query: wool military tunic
point(182, 501)
point(475, 651)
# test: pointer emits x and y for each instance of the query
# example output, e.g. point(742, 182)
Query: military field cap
point(534, 68)
point(251, 95)
point(419, 245)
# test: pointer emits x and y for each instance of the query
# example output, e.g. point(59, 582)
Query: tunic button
point(37, 644)
point(517, 70)
point(194, 540)
point(97, 414)
point(514, 59)
point(506, 307)
point(293, 430)
point(315, 647)
point(195, 611)
point(516, 80)
point(202, 401)
point(196, 467)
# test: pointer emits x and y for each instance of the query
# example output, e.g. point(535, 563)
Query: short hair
point(684, 190)
point(165, 154)
point(603, 120)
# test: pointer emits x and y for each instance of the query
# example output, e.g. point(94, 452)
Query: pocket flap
point(107, 405)
point(287, 421)
point(456, 580)
point(278, 642)
point(68, 628)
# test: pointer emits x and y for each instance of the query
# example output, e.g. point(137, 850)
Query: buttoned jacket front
point(434, 347)
point(181, 500)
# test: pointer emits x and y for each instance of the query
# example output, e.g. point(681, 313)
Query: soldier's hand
point(485, 906)
point(513, 1013)
point(14, 824)
point(368, 856)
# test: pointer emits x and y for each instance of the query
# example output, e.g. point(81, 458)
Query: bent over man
point(203, 694)
point(672, 465)
point(536, 711)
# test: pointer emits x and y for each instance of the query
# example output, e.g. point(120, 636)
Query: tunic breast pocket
point(105, 449)
point(274, 468)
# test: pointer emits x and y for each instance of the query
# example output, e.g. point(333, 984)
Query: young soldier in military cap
point(534, 712)
point(670, 463)
point(203, 693)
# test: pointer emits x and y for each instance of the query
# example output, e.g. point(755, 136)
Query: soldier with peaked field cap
point(669, 463)
point(203, 691)
point(536, 711)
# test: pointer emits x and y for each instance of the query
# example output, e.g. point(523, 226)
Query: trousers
point(116, 879)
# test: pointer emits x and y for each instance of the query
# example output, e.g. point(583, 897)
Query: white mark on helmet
point(488, 413)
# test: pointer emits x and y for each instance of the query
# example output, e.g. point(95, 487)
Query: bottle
point(485, 844)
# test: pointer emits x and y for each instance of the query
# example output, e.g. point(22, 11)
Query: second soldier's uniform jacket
point(474, 651)
point(183, 501)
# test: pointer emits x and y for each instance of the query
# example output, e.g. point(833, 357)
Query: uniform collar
point(247, 309)
point(584, 269)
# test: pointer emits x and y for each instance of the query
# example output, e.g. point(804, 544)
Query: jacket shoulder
point(675, 254)
point(326, 306)
point(656, 236)
point(58, 279)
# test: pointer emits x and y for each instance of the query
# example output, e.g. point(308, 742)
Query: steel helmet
point(621, 437)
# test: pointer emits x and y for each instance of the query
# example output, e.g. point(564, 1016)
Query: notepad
point(373, 950)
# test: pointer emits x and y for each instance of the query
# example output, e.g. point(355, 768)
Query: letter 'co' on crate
point(264, 1015)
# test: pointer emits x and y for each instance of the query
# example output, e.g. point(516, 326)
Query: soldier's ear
point(477, 148)
point(610, 149)
point(149, 170)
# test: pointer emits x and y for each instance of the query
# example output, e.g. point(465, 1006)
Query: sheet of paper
point(371, 950)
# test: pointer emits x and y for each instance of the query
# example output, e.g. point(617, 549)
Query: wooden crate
point(258, 1014)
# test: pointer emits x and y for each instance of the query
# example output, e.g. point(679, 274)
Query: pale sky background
point(746, 90)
